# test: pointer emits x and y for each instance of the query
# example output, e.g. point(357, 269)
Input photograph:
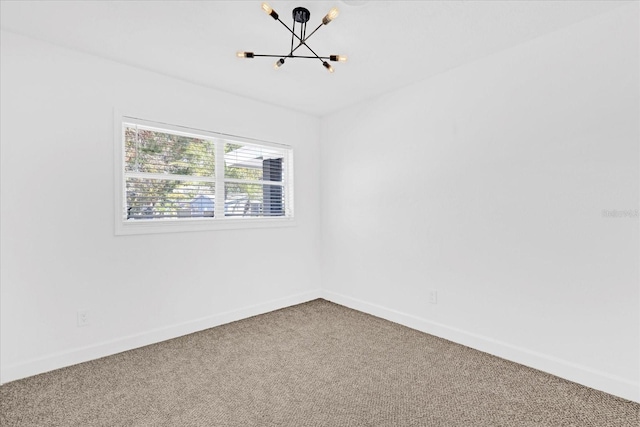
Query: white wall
point(487, 183)
point(497, 171)
point(59, 251)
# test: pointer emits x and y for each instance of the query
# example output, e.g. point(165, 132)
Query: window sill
point(141, 226)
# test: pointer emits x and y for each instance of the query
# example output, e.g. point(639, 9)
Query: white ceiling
point(389, 43)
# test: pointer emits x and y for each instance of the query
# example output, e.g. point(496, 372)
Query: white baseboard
point(584, 375)
point(611, 384)
point(83, 354)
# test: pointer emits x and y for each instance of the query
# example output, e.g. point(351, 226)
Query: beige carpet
point(314, 364)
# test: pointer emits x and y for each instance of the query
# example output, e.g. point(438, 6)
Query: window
point(180, 179)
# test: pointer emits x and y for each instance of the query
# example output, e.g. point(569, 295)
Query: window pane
point(162, 199)
point(159, 152)
point(253, 200)
point(253, 163)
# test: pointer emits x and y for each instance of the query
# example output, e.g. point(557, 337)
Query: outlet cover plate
point(433, 296)
point(83, 318)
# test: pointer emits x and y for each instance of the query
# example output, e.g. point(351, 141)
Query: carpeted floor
point(314, 364)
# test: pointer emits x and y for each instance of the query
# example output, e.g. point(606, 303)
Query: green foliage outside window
point(152, 152)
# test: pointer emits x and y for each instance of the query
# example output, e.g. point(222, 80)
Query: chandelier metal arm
point(289, 29)
point(301, 44)
point(302, 40)
point(317, 28)
point(290, 56)
point(317, 56)
point(292, 34)
point(293, 50)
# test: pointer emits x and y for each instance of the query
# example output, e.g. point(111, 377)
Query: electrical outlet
point(83, 318)
point(433, 296)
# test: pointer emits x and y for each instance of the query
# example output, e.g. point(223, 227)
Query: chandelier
point(299, 39)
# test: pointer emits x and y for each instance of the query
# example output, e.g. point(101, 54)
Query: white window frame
point(124, 226)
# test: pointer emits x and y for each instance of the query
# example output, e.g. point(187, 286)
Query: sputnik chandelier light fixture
point(301, 16)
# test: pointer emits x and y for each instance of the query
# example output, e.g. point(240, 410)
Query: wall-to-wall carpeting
point(314, 364)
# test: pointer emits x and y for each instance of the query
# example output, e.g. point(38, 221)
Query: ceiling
point(389, 43)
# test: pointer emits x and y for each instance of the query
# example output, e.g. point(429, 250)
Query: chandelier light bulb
point(339, 58)
point(328, 66)
point(245, 54)
point(269, 10)
point(333, 14)
point(278, 63)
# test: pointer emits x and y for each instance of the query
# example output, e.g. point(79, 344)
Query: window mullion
point(220, 196)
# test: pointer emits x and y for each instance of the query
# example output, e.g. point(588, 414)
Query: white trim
point(199, 133)
point(118, 171)
point(580, 374)
point(182, 225)
point(586, 376)
point(289, 184)
point(107, 348)
point(219, 207)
